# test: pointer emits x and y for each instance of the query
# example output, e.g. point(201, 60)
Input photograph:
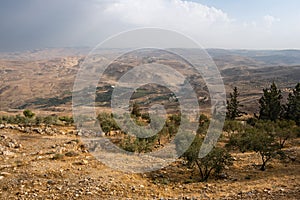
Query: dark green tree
point(233, 105)
point(28, 113)
point(293, 105)
point(270, 104)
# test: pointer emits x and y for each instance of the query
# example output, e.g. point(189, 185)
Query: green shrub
point(140, 145)
point(28, 113)
point(67, 120)
point(107, 122)
point(50, 120)
point(38, 120)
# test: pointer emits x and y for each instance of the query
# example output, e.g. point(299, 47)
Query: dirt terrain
point(53, 163)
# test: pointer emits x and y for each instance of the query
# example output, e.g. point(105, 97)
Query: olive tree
point(213, 163)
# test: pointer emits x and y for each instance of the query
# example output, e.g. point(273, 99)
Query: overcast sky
point(255, 24)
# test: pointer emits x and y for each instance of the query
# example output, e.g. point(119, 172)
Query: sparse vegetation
point(29, 118)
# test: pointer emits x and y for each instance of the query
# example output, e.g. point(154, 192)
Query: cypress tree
point(293, 105)
point(270, 104)
point(233, 105)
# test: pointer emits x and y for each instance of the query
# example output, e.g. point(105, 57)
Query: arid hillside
point(43, 80)
point(54, 164)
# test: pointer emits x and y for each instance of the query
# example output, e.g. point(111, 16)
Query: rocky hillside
point(56, 165)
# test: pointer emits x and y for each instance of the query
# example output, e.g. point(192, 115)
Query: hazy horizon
point(91, 47)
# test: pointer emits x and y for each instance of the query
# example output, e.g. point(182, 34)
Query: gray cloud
point(63, 23)
point(37, 24)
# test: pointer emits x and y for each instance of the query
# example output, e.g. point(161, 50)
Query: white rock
point(8, 153)
point(5, 174)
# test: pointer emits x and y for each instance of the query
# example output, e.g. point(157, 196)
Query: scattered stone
point(57, 156)
point(5, 174)
point(83, 162)
point(50, 182)
point(223, 176)
point(8, 153)
point(71, 154)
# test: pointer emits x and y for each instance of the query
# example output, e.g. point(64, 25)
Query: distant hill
point(43, 79)
point(256, 58)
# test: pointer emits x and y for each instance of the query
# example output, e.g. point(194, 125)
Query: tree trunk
point(263, 167)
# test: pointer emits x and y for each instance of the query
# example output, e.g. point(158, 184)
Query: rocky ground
point(53, 163)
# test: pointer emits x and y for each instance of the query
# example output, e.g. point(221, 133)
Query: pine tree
point(293, 105)
point(233, 106)
point(270, 104)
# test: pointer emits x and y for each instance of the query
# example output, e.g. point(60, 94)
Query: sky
point(229, 24)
